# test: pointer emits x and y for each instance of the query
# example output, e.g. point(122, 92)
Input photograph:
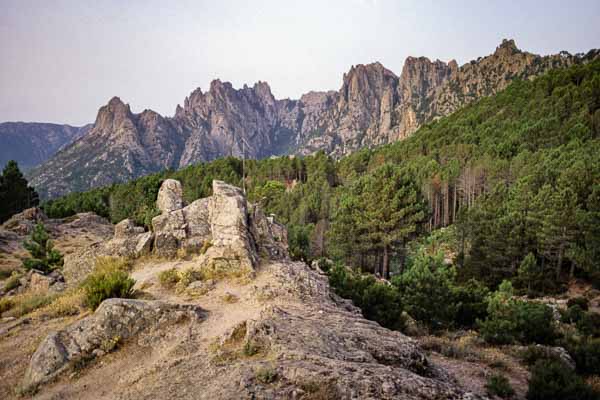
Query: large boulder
point(24, 222)
point(184, 227)
point(170, 196)
point(233, 248)
point(270, 235)
point(114, 320)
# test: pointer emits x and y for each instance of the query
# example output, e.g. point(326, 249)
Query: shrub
point(378, 301)
point(533, 354)
point(550, 380)
point(499, 385)
point(13, 281)
point(44, 257)
point(109, 279)
point(580, 301)
point(535, 323)
point(426, 291)
point(266, 375)
point(572, 315)
point(586, 354)
point(6, 304)
point(471, 303)
point(589, 324)
point(511, 320)
point(169, 278)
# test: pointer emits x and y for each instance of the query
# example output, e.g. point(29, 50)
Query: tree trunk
point(386, 262)
point(561, 251)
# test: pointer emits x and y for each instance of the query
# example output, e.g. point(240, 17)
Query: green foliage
point(426, 290)
point(580, 301)
point(551, 380)
point(499, 385)
point(44, 257)
point(15, 193)
point(378, 213)
point(510, 320)
point(109, 279)
point(377, 300)
point(586, 354)
point(516, 172)
point(169, 278)
point(266, 375)
point(471, 301)
point(533, 353)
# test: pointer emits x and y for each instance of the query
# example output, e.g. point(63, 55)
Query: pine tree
point(44, 257)
point(381, 211)
point(15, 194)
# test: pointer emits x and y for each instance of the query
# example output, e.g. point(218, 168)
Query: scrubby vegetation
point(44, 257)
point(471, 219)
point(498, 385)
point(109, 279)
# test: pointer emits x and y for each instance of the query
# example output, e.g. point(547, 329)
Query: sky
point(60, 60)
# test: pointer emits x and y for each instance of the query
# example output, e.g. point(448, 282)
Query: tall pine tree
point(15, 193)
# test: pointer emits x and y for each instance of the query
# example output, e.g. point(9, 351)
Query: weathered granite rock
point(270, 236)
point(188, 226)
point(115, 319)
point(127, 228)
point(24, 222)
point(232, 247)
point(170, 196)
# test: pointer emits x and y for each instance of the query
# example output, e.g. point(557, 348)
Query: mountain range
point(32, 143)
point(374, 106)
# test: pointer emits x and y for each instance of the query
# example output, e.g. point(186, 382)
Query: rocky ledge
point(278, 333)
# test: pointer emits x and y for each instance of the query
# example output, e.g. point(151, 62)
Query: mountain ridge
point(374, 106)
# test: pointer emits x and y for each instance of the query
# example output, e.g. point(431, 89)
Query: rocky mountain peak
point(507, 46)
point(113, 116)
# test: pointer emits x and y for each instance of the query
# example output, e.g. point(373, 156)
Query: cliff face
point(373, 107)
point(32, 143)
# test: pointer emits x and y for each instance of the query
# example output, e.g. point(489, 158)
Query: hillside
point(374, 106)
point(32, 143)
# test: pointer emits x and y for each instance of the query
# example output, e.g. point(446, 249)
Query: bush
point(499, 385)
point(109, 280)
point(532, 354)
point(572, 315)
point(471, 303)
point(510, 320)
point(426, 290)
point(589, 324)
point(580, 301)
point(535, 323)
point(550, 380)
point(377, 300)
point(169, 278)
point(586, 354)
point(44, 257)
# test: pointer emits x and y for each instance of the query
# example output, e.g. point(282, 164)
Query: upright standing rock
point(170, 196)
point(232, 250)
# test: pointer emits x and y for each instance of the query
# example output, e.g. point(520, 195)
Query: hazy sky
point(61, 60)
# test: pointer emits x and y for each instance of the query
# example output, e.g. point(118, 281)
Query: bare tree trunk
point(386, 262)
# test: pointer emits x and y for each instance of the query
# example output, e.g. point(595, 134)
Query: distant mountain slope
point(32, 143)
point(373, 107)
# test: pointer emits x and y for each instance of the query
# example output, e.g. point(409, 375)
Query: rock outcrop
point(374, 106)
point(114, 321)
point(279, 333)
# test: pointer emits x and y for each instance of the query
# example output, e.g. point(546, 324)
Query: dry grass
point(23, 304)
point(318, 389)
point(69, 303)
point(229, 298)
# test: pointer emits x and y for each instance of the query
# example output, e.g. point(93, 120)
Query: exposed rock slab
point(114, 320)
